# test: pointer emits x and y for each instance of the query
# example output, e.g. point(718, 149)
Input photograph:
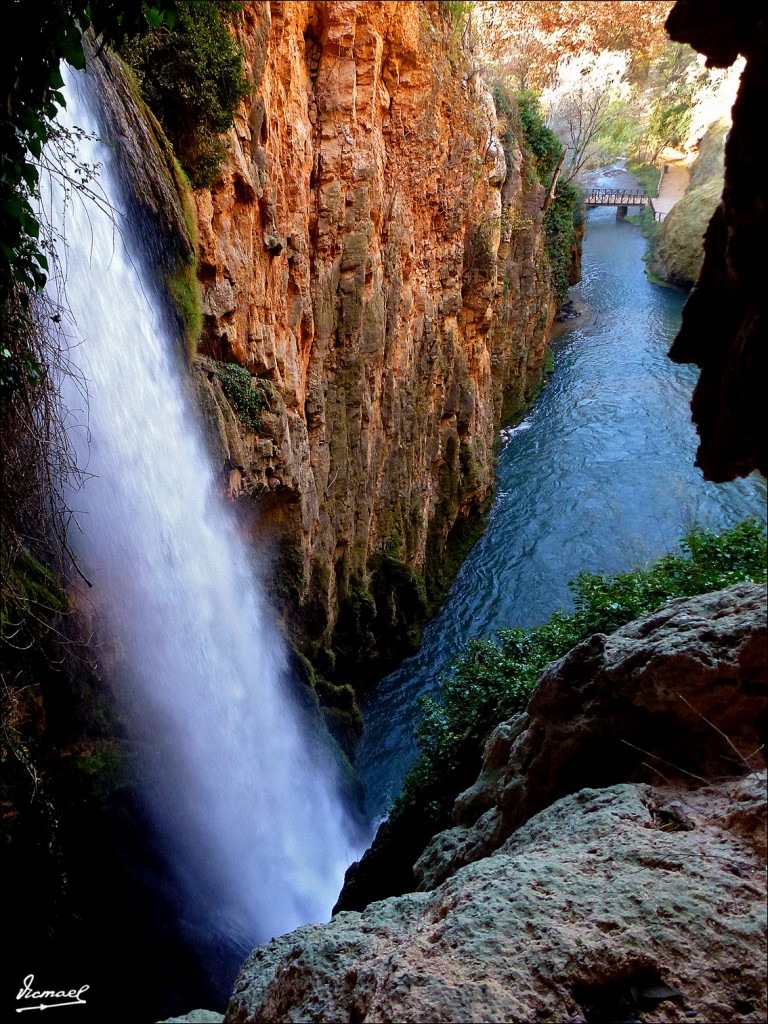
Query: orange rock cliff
point(375, 259)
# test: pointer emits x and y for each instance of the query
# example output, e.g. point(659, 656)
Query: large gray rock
point(679, 694)
point(607, 904)
point(196, 1017)
point(555, 900)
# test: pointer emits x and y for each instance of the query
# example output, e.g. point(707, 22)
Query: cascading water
point(248, 805)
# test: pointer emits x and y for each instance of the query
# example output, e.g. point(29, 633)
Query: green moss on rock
point(678, 253)
point(249, 396)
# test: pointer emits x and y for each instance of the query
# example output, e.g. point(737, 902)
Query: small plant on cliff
point(560, 221)
point(493, 678)
point(249, 396)
point(192, 77)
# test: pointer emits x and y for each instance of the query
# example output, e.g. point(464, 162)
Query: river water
point(599, 477)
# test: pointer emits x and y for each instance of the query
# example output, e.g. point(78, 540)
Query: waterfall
point(245, 799)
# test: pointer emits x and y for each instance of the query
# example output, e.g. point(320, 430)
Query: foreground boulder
point(623, 904)
point(567, 892)
point(678, 694)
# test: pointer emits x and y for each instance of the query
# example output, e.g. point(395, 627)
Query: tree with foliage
point(672, 81)
point(191, 75)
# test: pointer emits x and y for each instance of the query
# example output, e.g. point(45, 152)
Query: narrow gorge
point(351, 670)
point(376, 258)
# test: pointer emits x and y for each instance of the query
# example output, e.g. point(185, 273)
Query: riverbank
point(675, 245)
point(580, 318)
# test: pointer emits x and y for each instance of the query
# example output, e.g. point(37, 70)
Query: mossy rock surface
point(676, 246)
point(679, 252)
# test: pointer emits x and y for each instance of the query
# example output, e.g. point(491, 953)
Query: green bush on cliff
point(493, 678)
point(192, 78)
point(539, 139)
point(249, 395)
point(566, 208)
point(559, 223)
point(522, 114)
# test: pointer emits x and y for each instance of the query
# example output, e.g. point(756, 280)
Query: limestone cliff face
point(373, 254)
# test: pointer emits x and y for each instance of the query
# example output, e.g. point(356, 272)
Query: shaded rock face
point(602, 908)
point(373, 254)
point(725, 321)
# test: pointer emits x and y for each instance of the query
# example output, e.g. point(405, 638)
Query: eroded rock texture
point(588, 898)
point(604, 907)
point(374, 255)
point(648, 685)
point(677, 253)
point(725, 321)
point(678, 694)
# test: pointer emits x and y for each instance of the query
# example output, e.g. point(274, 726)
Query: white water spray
point(252, 821)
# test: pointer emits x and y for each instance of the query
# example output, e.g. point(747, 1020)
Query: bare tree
point(586, 108)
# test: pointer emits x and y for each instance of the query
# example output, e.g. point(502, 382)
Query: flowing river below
point(600, 477)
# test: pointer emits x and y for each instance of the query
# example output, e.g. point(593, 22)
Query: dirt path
point(674, 181)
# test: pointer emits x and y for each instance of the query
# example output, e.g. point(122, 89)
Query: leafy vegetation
point(192, 77)
point(249, 395)
point(30, 89)
point(559, 223)
point(493, 678)
point(541, 142)
point(523, 117)
point(457, 10)
point(674, 81)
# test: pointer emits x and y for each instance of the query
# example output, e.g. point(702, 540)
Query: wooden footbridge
point(622, 199)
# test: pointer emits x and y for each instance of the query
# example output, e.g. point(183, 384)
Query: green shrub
point(559, 223)
point(493, 678)
point(523, 115)
point(192, 78)
point(249, 396)
point(539, 139)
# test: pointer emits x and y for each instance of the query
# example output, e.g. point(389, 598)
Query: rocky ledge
point(567, 893)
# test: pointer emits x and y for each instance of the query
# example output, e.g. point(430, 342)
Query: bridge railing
point(618, 197)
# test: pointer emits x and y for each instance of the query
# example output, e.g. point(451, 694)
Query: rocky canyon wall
point(374, 259)
point(725, 321)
